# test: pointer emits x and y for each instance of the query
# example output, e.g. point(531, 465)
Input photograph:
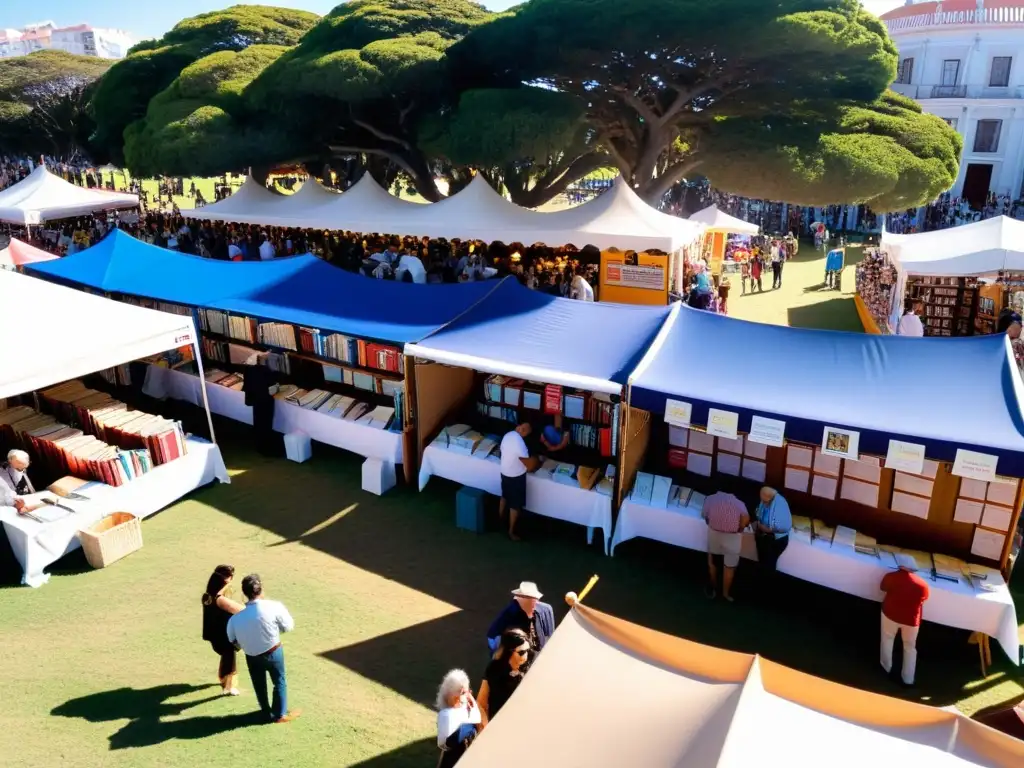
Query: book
point(565, 474)
point(485, 446)
point(697, 501)
point(587, 477)
point(643, 486)
point(660, 491)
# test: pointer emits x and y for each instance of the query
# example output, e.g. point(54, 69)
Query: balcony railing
point(922, 92)
point(948, 92)
point(991, 16)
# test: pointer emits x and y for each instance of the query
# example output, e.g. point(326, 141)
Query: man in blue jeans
point(257, 629)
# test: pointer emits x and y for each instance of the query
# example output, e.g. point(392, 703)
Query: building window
point(906, 73)
point(950, 121)
point(986, 138)
point(999, 77)
point(950, 71)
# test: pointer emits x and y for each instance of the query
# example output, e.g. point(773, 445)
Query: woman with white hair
point(457, 717)
point(13, 473)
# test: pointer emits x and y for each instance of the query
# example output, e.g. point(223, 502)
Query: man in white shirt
point(267, 251)
point(234, 252)
point(910, 323)
point(257, 629)
point(515, 463)
point(14, 473)
point(581, 289)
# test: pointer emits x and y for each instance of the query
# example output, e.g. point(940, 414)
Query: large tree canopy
point(124, 94)
point(42, 101)
point(359, 81)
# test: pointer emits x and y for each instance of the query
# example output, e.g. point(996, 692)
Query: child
point(744, 274)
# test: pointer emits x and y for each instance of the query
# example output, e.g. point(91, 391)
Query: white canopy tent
point(977, 249)
point(716, 220)
point(252, 203)
point(84, 334)
point(42, 196)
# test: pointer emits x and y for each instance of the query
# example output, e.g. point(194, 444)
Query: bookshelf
point(950, 304)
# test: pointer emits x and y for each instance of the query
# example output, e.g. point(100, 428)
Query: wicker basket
point(116, 535)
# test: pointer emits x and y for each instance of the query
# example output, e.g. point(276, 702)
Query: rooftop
point(954, 12)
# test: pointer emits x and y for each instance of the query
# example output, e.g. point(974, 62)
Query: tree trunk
point(260, 173)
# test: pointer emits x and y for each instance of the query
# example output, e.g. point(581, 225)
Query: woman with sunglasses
point(504, 673)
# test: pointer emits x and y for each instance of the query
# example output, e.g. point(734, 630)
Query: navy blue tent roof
point(299, 289)
point(944, 393)
point(531, 335)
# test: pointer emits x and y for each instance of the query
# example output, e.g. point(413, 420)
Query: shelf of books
point(950, 304)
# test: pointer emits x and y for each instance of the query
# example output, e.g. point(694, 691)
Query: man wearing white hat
point(527, 613)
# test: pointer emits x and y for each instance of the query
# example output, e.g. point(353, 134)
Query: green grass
point(107, 668)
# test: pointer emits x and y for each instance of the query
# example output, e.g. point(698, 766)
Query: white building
point(82, 39)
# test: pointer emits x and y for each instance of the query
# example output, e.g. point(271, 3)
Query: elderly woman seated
point(457, 717)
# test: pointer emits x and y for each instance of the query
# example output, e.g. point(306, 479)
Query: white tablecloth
point(543, 496)
point(37, 545)
point(366, 441)
point(841, 568)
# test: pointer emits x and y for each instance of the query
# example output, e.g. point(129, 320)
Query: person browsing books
point(905, 596)
point(14, 473)
point(726, 517)
point(772, 528)
point(515, 463)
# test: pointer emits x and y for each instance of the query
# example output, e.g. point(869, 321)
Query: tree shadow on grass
point(145, 709)
point(418, 754)
point(838, 314)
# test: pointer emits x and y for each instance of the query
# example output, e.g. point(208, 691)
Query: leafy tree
point(43, 101)
point(669, 83)
point(124, 94)
point(359, 81)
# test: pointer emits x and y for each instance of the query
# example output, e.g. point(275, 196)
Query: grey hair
point(15, 455)
point(770, 490)
point(454, 681)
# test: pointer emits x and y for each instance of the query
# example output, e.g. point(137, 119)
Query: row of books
point(603, 439)
point(587, 478)
point(533, 395)
point(160, 306)
point(110, 420)
point(223, 379)
point(277, 335)
point(224, 324)
point(343, 407)
point(61, 450)
point(351, 350)
point(226, 352)
point(659, 491)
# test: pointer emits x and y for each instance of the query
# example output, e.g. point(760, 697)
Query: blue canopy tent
point(944, 393)
point(534, 336)
point(303, 290)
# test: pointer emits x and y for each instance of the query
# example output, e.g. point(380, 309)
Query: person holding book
point(516, 461)
point(905, 596)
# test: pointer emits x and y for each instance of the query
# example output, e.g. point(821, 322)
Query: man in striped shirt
point(726, 517)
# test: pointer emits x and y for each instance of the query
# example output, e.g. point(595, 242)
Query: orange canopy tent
point(18, 253)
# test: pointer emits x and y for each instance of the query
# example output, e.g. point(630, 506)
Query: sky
point(151, 19)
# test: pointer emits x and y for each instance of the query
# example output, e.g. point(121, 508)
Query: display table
point(37, 545)
point(543, 496)
point(844, 569)
point(366, 441)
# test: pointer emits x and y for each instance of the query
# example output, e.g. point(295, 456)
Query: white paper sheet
point(973, 489)
point(723, 423)
point(1004, 493)
point(767, 431)
point(702, 442)
point(754, 470)
point(913, 484)
point(824, 486)
point(825, 464)
point(797, 479)
point(997, 518)
point(968, 511)
point(977, 466)
point(729, 464)
point(859, 491)
point(678, 412)
point(910, 505)
point(755, 450)
point(677, 436)
point(906, 457)
point(699, 463)
point(988, 544)
point(867, 468)
point(797, 456)
point(732, 446)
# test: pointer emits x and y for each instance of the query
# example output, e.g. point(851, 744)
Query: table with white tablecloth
point(543, 496)
point(371, 442)
point(36, 545)
point(988, 609)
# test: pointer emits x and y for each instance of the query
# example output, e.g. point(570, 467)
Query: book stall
point(962, 277)
point(836, 424)
point(84, 441)
point(719, 247)
point(340, 362)
point(513, 358)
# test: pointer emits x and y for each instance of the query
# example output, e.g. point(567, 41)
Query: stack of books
point(277, 335)
point(222, 379)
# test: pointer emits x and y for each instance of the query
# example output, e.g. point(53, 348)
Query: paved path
point(802, 301)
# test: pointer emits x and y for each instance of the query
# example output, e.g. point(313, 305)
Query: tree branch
point(382, 135)
point(655, 189)
point(642, 107)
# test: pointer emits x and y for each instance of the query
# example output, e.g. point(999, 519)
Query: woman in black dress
point(217, 609)
point(504, 674)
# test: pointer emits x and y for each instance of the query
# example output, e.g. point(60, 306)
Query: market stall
point(18, 254)
point(91, 334)
point(710, 708)
point(719, 225)
point(42, 196)
point(839, 424)
point(518, 356)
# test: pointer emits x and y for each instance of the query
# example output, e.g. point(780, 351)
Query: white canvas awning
point(63, 333)
point(606, 693)
point(42, 196)
point(719, 221)
point(980, 248)
point(251, 203)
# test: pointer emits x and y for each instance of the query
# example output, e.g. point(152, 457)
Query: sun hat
point(527, 589)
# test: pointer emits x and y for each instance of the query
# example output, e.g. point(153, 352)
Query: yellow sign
point(634, 278)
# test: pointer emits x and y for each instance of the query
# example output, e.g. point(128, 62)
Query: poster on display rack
point(843, 443)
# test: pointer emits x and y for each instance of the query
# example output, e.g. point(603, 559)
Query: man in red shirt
point(905, 594)
point(726, 517)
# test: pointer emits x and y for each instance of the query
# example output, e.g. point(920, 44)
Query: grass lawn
point(107, 668)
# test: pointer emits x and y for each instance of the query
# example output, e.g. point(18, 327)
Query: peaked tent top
point(18, 253)
point(867, 383)
point(719, 221)
point(41, 196)
point(251, 203)
point(701, 705)
point(979, 248)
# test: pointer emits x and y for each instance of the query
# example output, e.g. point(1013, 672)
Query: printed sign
point(975, 466)
point(552, 399)
point(906, 457)
point(723, 423)
point(635, 276)
point(677, 413)
point(840, 442)
point(767, 431)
